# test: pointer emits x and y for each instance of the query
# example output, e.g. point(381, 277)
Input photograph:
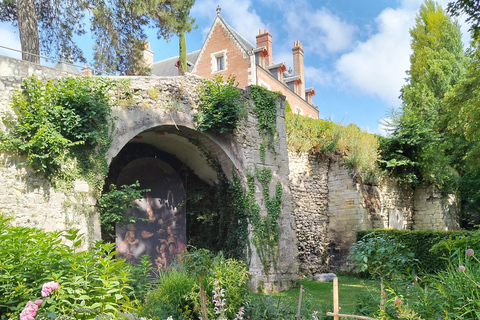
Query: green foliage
point(114, 205)
point(118, 28)
point(358, 149)
point(265, 229)
point(452, 293)
point(62, 126)
point(422, 148)
point(217, 219)
point(183, 67)
point(464, 119)
point(143, 280)
point(91, 282)
point(424, 244)
point(219, 107)
point(265, 108)
point(471, 9)
point(177, 294)
point(170, 298)
point(382, 256)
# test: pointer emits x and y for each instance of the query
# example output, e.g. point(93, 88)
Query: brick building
point(225, 52)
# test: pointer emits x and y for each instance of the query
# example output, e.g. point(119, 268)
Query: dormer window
point(219, 61)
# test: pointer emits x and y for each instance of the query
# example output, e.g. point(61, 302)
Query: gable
point(223, 41)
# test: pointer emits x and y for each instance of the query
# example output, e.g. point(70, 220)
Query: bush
point(170, 298)
point(420, 244)
point(92, 282)
point(452, 293)
point(219, 106)
point(178, 291)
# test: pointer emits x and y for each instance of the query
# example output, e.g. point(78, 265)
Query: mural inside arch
point(162, 235)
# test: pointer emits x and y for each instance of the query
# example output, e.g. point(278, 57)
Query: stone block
point(324, 277)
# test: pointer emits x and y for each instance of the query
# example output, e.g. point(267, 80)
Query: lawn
point(319, 295)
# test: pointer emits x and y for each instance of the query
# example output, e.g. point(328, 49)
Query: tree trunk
point(28, 29)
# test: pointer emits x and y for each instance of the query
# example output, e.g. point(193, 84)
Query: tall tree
point(416, 149)
point(471, 8)
point(118, 27)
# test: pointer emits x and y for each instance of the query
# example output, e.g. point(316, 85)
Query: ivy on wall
point(217, 218)
point(265, 108)
point(219, 107)
point(62, 127)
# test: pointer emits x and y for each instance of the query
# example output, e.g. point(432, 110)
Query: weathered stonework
point(331, 205)
point(323, 205)
point(160, 107)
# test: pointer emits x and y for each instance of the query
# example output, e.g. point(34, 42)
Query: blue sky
point(356, 52)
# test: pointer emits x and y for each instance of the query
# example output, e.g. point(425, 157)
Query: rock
point(324, 277)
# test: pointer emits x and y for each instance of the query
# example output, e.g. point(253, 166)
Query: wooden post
point(300, 303)
point(336, 307)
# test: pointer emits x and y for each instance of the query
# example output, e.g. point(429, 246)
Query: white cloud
point(238, 14)
point(9, 40)
point(333, 34)
point(318, 76)
point(327, 33)
point(377, 66)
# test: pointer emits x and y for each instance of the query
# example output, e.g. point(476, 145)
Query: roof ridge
point(241, 40)
point(171, 58)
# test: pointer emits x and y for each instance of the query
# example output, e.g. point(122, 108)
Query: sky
point(356, 52)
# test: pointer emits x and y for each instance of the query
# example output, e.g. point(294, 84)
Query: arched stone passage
point(158, 121)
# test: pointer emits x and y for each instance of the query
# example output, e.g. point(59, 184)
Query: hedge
point(421, 243)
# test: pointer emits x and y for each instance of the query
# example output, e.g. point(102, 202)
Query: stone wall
point(26, 196)
point(159, 104)
point(331, 205)
point(434, 210)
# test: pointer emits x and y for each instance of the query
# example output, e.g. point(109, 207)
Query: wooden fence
point(336, 306)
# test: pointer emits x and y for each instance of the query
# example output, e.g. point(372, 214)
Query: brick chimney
point(298, 67)
point(264, 39)
point(148, 54)
point(86, 70)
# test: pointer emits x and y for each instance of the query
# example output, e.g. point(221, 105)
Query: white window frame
point(298, 110)
point(214, 58)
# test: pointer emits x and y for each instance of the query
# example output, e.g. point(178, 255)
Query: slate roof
point(244, 43)
point(167, 67)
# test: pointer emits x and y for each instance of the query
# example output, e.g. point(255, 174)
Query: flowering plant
point(31, 309)
point(219, 302)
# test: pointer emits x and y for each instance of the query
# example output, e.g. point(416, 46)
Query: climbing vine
point(114, 205)
point(62, 127)
point(265, 108)
point(265, 229)
point(219, 107)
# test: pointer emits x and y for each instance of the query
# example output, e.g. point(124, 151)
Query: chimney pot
point(265, 40)
point(298, 67)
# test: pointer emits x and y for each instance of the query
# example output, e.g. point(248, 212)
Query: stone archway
point(160, 115)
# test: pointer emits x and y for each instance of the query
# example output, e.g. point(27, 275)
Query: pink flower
point(39, 302)
point(397, 301)
point(29, 312)
point(49, 287)
point(461, 268)
point(470, 252)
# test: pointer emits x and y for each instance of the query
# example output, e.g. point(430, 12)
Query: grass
point(321, 293)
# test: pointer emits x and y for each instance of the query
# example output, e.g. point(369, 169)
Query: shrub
point(58, 120)
point(178, 291)
point(420, 244)
point(219, 106)
point(91, 282)
point(381, 256)
point(170, 298)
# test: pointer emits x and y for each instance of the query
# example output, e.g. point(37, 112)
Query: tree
point(118, 27)
point(415, 153)
point(471, 8)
